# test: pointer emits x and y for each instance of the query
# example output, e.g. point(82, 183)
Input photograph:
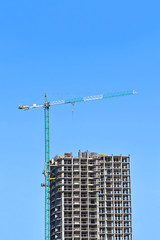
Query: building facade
point(90, 197)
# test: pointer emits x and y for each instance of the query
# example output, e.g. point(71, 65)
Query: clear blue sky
point(69, 49)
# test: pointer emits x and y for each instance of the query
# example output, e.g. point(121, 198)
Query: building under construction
point(90, 197)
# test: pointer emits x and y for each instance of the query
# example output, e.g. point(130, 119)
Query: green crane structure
point(46, 107)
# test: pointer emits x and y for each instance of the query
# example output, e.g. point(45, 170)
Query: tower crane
point(46, 107)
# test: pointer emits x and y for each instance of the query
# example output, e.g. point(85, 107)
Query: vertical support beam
point(47, 171)
point(97, 190)
point(130, 228)
point(122, 196)
point(113, 200)
point(62, 213)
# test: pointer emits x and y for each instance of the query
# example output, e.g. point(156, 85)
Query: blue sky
point(71, 49)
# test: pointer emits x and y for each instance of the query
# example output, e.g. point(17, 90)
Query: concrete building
point(90, 197)
point(115, 210)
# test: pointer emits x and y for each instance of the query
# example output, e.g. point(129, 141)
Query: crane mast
point(46, 107)
point(47, 170)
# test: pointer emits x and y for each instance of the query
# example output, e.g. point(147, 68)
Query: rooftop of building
point(87, 154)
